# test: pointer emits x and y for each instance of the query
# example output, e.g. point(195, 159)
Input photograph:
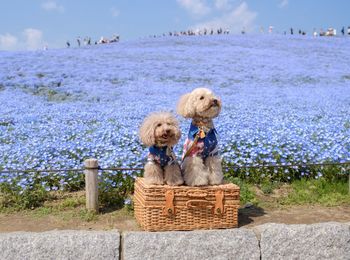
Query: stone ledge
point(209, 244)
point(316, 241)
point(277, 241)
point(60, 245)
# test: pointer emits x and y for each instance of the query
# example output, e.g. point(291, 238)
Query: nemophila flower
point(55, 113)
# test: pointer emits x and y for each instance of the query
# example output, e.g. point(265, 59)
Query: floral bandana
point(206, 143)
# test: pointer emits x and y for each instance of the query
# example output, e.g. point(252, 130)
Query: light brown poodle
point(201, 161)
point(160, 132)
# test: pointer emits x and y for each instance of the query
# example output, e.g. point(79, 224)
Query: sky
point(34, 24)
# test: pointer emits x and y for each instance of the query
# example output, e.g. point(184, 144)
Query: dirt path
point(248, 217)
point(253, 216)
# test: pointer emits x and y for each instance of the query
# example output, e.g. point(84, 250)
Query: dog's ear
point(184, 107)
point(147, 132)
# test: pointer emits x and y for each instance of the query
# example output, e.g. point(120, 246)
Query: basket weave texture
point(163, 207)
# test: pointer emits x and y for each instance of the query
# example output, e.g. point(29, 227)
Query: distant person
point(343, 31)
point(78, 41)
point(68, 44)
point(115, 38)
point(322, 33)
point(291, 31)
point(348, 30)
point(270, 28)
point(299, 31)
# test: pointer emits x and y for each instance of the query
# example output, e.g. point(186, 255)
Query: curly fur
point(157, 124)
point(201, 105)
point(197, 104)
point(161, 129)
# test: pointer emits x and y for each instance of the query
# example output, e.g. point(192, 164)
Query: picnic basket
point(163, 207)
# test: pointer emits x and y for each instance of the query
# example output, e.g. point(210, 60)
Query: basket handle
point(169, 208)
point(193, 204)
point(196, 194)
point(219, 206)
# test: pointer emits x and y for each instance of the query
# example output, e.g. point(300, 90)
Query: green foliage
point(71, 203)
point(268, 186)
point(87, 215)
point(258, 175)
point(325, 185)
point(16, 198)
point(246, 190)
point(115, 188)
point(321, 191)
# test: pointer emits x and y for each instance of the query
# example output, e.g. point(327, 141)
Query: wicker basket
point(162, 207)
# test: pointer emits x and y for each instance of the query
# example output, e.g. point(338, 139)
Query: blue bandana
point(161, 155)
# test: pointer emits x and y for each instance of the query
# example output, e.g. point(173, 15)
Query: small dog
point(160, 132)
point(201, 162)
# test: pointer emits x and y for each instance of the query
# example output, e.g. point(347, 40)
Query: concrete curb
point(70, 244)
point(317, 241)
point(271, 241)
point(214, 244)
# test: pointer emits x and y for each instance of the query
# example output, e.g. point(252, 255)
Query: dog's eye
point(201, 98)
point(159, 125)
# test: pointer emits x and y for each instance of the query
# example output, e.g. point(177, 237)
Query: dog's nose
point(168, 131)
point(215, 101)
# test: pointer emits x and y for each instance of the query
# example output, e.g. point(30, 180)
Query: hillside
point(285, 99)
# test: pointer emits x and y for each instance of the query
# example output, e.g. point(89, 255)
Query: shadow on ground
point(246, 215)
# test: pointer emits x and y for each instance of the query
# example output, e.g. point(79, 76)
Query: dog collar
point(200, 131)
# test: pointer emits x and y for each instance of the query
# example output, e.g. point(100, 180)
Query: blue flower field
point(285, 100)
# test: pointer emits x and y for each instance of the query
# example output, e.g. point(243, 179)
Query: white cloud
point(235, 20)
point(283, 3)
point(195, 7)
point(29, 39)
point(8, 42)
point(115, 12)
point(222, 4)
point(52, 6)
point(33, 39)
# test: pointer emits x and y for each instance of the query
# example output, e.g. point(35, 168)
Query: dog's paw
point(154, 181)
point(153, 174)
point(172, 175)
point(197, 179)
point(216, 176)
point(215, 179)
point(198, 182)
point(177, 182)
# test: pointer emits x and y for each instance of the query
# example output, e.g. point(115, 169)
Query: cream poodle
point(160, 132)
point(201, 161)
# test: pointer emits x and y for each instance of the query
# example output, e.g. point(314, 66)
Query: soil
point(248, 217)
point(269, 211)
